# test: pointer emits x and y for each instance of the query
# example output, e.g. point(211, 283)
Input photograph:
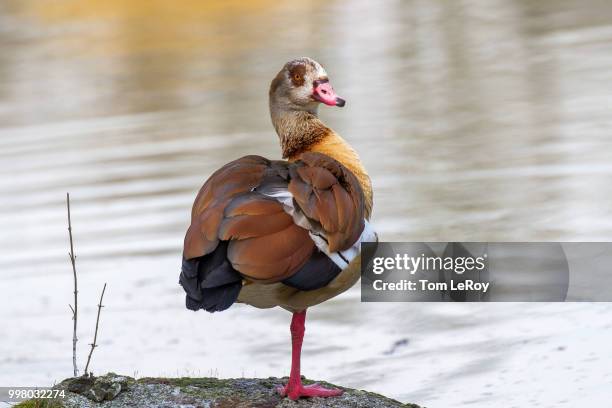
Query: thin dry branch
point(93, 345)
point(74, 273)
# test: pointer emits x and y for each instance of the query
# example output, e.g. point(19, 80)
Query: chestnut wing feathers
point(330, 196)
point(256, 219)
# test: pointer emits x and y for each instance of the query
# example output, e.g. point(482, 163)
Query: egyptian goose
point(283, 233)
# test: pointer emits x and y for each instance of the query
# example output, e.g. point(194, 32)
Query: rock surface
point(115, 391)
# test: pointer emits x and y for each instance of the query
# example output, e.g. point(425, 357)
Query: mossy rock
point(199, 393)
point(40, 403)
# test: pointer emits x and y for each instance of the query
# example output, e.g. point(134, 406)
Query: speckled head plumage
point(295, 95)
point(302, 84)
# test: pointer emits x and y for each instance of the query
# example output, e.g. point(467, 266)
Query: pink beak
point(323, 92)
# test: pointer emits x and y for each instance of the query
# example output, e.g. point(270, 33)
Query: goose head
point(301, 85)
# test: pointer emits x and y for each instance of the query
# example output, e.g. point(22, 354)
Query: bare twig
point(74, 273)
point(93, 345)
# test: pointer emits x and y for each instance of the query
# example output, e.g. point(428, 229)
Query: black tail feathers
point(315, 274)
point(210, 281)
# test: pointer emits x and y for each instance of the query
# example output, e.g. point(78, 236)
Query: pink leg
point(294, 388)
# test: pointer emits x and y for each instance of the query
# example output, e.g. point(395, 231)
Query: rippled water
point(477, 120)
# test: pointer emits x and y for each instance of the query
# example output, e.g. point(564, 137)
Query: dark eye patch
point(296, 73)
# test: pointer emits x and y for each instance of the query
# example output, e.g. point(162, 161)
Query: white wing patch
point(340, 258)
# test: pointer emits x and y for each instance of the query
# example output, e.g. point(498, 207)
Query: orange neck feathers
point(333, 145)
point(301, 131)
point(298, 131)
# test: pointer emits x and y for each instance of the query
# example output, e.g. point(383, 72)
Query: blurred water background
point(477, 120)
